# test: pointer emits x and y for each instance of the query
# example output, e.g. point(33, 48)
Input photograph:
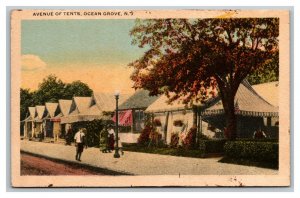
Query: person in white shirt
point(79, 139)
point(111, 139)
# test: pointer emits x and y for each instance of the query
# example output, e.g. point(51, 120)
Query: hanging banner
point(125, 118)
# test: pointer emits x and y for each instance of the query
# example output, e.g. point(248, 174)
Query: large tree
point(189, 56)
point(51, 89)
point(269, 73)
point(26, 100)
point(77, 88)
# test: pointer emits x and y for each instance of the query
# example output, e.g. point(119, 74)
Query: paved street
point(142, 163)
point(32, 165)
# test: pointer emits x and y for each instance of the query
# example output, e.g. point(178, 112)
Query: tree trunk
point(228, 91)
point(230, 118)
point(231, 129)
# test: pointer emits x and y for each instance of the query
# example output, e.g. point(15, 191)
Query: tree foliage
point(270, 72)
point(77, 88)
point(51, 89)
point(26, 100)
point(190, 56)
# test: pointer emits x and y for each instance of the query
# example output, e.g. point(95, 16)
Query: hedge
point(211, 146)
point(252, 150)
point(162, 150)
point(257, 140)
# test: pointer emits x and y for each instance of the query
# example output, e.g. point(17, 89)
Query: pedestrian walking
point(68, 137)
point(111, 139)
point(79, 143)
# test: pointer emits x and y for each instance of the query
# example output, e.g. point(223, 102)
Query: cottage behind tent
point(29, 123)
point(38, 120)
point(177, 118)
point(64, 107)
point(131, 115)
point(250, 109)
point(269, 91)
point(209, 118)
point(78, 106)
point(52, 125)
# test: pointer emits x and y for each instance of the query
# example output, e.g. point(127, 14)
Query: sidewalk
point(142, 163)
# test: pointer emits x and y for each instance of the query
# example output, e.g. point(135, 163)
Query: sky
point(95, 52)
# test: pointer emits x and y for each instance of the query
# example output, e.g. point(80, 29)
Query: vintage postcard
point(148, 98)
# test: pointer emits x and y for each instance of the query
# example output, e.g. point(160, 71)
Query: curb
point(79, 164)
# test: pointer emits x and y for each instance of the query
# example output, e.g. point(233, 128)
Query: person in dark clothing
point(111, 139)
point(79, 143)
point(259, 134)
point(104, 144)
point(69, 136)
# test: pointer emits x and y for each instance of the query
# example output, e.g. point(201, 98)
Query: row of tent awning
point(247, 103)
point(76, 110)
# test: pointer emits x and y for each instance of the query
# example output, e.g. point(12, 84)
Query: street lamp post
point(117, 155)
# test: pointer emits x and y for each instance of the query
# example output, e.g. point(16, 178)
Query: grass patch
point(182, 152)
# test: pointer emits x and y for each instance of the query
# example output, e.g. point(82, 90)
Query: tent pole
point(133, 120)
point(195, 121)
point(200, 124)
point(166, 127)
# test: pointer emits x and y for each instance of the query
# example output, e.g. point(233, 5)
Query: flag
point(125, 118)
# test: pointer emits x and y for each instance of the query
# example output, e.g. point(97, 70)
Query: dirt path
point(31, 165)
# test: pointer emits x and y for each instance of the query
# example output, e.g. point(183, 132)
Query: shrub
point(203, 137)
point(144, 137)
point(174, 140)
point(253, 150)
point(215, 146)
point(257, 140)
point(155, 137)
point(211, 146)
point(92, 128)
point(129, 145)
point(190, 140)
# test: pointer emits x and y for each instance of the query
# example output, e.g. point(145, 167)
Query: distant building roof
point(31, 116)
point(139, 100)
point(269, 91)
point(89, 114)
point(40, 112)
point(32, 112)
point(64, 106)
point(51, 109)
point(247, 102)
point(161, 104)
point(82, 103)
point(107, 102)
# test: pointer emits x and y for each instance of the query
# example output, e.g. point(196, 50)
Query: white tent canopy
point(269, 91)
point(247, 103)
point(162, 105)
point(51, 109)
